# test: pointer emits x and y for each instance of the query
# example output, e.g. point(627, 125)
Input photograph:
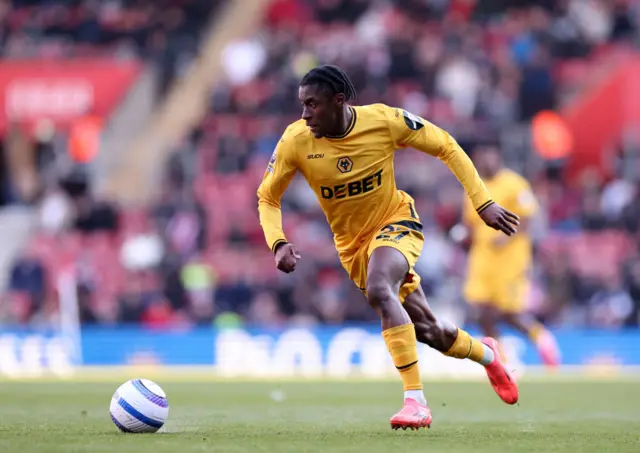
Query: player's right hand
point(286, 257)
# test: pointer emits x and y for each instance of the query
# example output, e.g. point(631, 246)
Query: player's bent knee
point(380, 295)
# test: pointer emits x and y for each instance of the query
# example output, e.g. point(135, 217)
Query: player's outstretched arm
point(411, 130)
point(280, 171)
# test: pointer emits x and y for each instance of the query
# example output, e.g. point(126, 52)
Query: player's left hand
point(500, 219)
point(286, 257)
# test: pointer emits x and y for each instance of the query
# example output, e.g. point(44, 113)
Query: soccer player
point(498, 278)
point(346, 155)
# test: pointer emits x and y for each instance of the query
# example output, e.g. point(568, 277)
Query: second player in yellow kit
point(346, 155)
point(499, 267)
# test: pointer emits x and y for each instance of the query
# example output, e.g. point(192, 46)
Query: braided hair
point(332, 79)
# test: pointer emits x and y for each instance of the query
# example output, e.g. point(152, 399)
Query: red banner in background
point(598, 118)
point(62, 90)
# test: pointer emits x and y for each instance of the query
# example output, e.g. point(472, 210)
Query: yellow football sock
point(403, 347)
point(466, 347)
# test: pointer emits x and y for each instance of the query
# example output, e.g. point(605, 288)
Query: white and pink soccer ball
point(139, 406)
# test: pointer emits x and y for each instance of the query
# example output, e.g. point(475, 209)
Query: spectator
point(28, 276)
point(90, 215)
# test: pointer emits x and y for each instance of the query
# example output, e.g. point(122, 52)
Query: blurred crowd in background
point(165, 33)
point(197, 256)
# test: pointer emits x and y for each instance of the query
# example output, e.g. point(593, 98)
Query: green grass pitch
point(561, 416)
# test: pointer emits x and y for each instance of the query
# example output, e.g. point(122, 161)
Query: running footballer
point(346, 152)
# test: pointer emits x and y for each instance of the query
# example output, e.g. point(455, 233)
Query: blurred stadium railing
point(185, 279)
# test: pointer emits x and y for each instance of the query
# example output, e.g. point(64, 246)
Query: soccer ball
point(139, 406)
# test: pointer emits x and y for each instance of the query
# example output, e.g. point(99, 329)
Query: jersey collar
point(352, 124)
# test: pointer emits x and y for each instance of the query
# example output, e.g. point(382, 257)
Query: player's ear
point(339, 100)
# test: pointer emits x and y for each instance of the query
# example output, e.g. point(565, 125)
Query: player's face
point(487, 160)
point(319, 110)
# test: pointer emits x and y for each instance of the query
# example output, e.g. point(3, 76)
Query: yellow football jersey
point(352, 175)
point(514, 193)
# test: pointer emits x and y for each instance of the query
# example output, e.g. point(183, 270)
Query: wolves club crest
point(345, 165)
